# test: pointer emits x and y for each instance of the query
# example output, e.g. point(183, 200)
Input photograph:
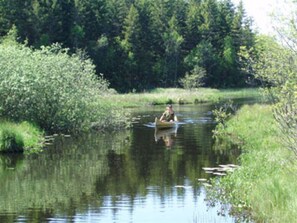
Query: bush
point(277, 68)
point(58, 91)
point(193, 79)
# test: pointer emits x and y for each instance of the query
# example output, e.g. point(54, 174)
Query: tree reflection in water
point(113, 175)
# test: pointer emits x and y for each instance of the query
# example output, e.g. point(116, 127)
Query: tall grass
point(20, 137)
point(161, 96)
point(265, 183)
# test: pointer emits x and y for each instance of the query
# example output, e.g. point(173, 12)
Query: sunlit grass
point(20, 137)
point(265, 183)
point(161, 96)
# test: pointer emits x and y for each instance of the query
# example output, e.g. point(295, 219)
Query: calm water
point(132, 176)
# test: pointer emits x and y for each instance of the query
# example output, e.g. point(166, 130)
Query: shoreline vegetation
point(60, 92)
point(163, 96)
point(51, 75)
point(158, 96)
point(54, 89)
point(57, 91)
point(264, 186)
point(20, 137)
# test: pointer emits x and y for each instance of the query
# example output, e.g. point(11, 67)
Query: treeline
point(141, 44)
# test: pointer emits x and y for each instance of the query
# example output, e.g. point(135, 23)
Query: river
point(131, 176)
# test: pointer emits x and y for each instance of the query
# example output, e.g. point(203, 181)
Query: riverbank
point(20, 137)
point(265, 183)
point(28, 138)
point(161, 96)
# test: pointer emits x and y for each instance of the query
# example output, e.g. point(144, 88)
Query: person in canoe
point(168, 114)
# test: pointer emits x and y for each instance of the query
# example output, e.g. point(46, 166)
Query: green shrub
point(194, 79)
point(58, 91)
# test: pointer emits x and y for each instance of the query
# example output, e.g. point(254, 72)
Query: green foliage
point(194, 79)
point(172, 42)
point(229, 52)
point(131, 29)
point(276, 67)
point(161, 96)
point(222, 115)
point(204, 55)
point(20, 137)
point(131, 46)
point(11, 37)
point(140, 44)
point(265, 168)
point(10, 141)
point(59, 92)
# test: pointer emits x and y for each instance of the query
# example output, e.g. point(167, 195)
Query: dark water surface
point(136, 175)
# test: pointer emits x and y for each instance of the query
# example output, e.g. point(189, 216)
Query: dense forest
point(141, 44)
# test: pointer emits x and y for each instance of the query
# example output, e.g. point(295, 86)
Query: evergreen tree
point(92, 15)
point(209, 27)
point(147, 57)
point(140, 44)
point(45, 25)
point(172, 41)
point(193, 22)
point(117, 11)
point(131, 45)
point(229, 73)
point(20, 14)
point(204, 56)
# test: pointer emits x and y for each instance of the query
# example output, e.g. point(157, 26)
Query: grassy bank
point(22, 137)
point(265, 183)
point(61, 92)
point(161, 96)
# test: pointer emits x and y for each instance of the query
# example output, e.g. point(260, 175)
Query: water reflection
point(116, 177)
point(167, 135)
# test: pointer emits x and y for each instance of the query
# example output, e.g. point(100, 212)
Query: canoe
point(165, 133)
point(165, 125)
